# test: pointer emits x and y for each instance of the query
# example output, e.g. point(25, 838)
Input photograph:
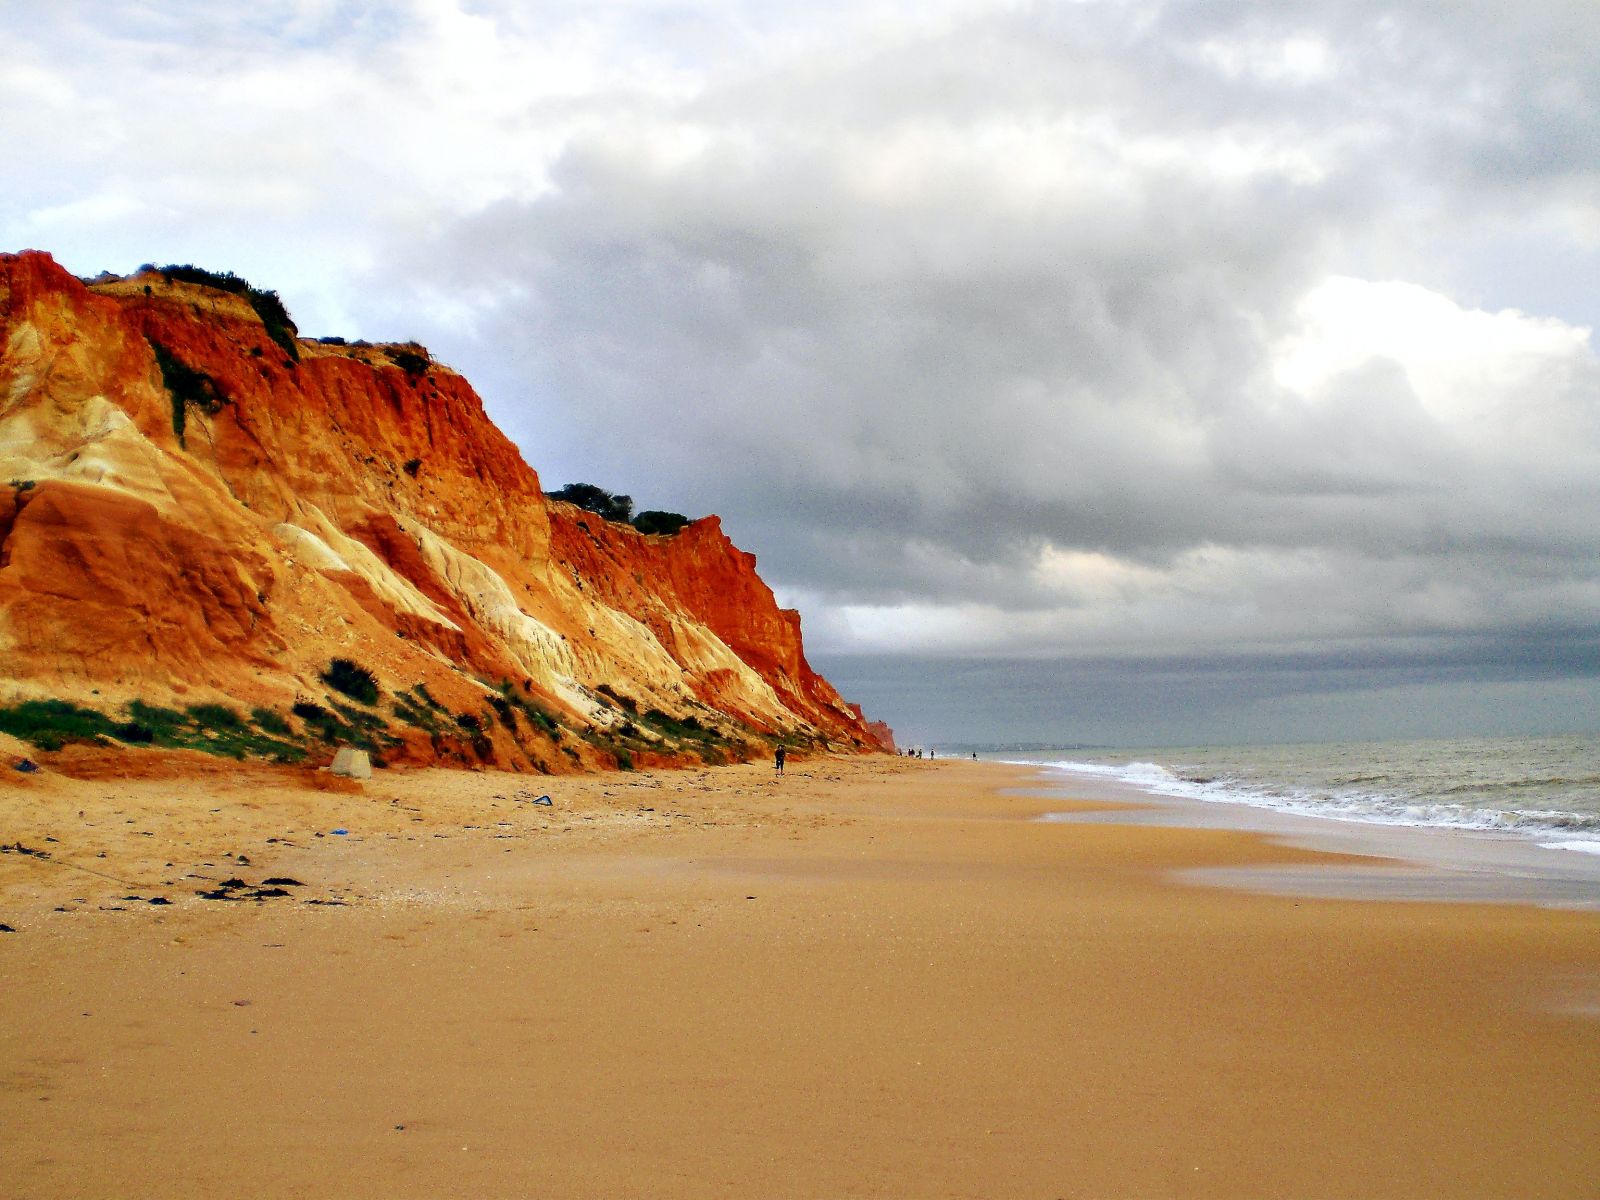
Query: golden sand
point(869, 978)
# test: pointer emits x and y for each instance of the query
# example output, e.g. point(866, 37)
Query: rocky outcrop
point(193, 513)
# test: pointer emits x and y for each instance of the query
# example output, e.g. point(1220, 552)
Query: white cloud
point(99, 209)
point(1294, 59)
point(1465, 365)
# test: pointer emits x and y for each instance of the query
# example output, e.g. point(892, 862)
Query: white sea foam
point(1461, 786)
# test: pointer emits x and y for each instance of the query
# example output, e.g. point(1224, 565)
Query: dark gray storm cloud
point(1185, 332)
point(1059, 327)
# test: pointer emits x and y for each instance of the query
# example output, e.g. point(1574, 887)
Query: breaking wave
point(1547, 789)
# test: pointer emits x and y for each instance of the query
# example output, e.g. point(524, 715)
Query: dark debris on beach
point(238, 889)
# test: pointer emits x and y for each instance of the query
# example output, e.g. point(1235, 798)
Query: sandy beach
point(872, 977)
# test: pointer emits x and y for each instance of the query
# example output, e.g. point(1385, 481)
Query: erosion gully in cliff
point(217, 535)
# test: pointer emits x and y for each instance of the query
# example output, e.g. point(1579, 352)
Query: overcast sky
point(1101, 371)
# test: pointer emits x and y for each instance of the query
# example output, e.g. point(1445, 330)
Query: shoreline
point(1535, 788)
point(872, 978)
point(1437, 862)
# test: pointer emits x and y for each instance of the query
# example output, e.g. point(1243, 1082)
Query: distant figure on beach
point(777, 761)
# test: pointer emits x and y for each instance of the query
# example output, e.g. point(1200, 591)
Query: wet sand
point(1368, 860)
point(870, 978)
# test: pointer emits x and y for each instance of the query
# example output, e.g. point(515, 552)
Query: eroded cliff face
point(355, 504)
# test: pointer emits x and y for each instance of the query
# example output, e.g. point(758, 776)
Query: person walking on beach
point(777, 761)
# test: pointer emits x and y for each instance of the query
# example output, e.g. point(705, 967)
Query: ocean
point(1544, 789)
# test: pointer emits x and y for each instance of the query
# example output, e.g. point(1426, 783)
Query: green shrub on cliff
point(680, 728)
point(223, 281)
point(269, 721)
point(411, 358)
point(212, 728)
point(653, 520)
point(597, 500)
point(51, 724)
point(337, 728)
point(509, 702)
point(503, 710)
point(619, 508)
point(185, 385)
point(414, 713)
point(215, 716)
point(352, 679)
point(280, 328)
point(267, 304)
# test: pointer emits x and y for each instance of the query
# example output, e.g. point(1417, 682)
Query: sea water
point(1545, 789)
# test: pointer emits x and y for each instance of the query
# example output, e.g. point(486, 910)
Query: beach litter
point(27, 766)
point(340, 832)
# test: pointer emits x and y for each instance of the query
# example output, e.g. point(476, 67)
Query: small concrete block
point(351, 762)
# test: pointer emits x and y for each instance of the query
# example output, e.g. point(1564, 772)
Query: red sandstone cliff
point(357, 504)
point(880, 733)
